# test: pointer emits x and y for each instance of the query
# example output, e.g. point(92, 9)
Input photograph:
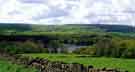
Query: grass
point(6, 66)
point(99, 62)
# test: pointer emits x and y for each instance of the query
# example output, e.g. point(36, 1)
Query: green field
point(99, 62)
point(6, 66)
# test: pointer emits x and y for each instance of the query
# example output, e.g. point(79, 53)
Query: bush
point(86, 50)
point(129, 53)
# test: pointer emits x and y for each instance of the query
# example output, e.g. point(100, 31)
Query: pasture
point(6, 66)
point(99, 62)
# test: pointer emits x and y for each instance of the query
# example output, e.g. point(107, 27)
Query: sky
point(68, 11)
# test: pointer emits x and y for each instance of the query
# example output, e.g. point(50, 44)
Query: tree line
point(97, 44)
point(110, 48)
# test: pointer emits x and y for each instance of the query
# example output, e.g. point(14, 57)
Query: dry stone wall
point(44, 65)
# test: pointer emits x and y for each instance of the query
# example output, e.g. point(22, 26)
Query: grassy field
point(6, 66)
point(99, 62)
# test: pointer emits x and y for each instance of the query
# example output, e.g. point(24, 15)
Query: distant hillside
point(116, 28)
point(85, 28)
point(5, 27)
point(66, 28)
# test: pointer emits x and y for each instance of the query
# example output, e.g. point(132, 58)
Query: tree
point(54, 45)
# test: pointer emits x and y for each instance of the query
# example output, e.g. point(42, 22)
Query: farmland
point(6, 66)
point(98, 62)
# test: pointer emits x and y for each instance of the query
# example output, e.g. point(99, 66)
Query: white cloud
point(68, 11)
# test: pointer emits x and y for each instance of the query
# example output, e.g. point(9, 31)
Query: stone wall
point(44, 65)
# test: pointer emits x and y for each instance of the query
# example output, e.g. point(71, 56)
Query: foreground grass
point(6, 66)
point(99, 62)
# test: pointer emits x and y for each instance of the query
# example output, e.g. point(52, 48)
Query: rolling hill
point(14, 27)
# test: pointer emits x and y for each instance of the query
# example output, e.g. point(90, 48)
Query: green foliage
point(97, 37)
point(110, 48)
point(85, 50)
point(101, 44)
point(56, 46)
point(129, 53)
point(22, 47)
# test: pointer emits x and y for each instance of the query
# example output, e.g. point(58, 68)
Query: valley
point(67, 48)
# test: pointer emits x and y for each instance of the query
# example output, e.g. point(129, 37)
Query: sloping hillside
point(11, 27)
point(5, 27)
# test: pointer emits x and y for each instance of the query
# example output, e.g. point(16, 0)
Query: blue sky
point(68, 11)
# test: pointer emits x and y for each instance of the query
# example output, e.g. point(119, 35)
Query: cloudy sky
point(68, 11)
